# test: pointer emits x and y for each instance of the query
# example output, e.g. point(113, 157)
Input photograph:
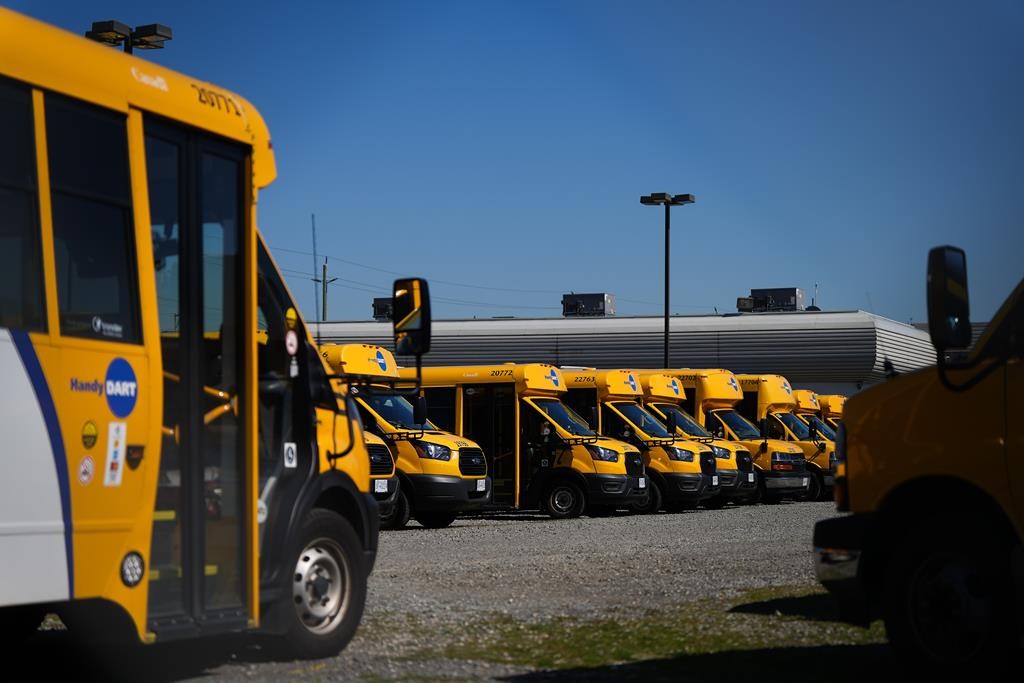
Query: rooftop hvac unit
point(744, 304)
point(382, 309)
point(778, 299)
point(578, 305)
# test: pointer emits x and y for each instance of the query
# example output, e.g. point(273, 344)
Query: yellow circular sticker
point(291, 318)
point(89, 434)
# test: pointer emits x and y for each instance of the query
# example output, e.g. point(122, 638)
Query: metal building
point(828, 351)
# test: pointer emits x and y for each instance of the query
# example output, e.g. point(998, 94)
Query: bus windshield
point(823, 429)
point(394, 409)
point(684, 421)
point(564, 416)
point(739, 425)
point(795, 425)
point(642, 420)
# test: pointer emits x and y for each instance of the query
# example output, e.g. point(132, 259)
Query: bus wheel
point(328, 587)
point(563, 500)
point(946, 599)
point(436, 520)
point(814, 486)
point(652, 503)
point(400, 513)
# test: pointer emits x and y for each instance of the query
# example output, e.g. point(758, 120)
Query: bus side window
point(441, 407)
point(21, 262)
point(93, 230)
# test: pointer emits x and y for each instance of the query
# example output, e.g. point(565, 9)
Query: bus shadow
point(815, 607)
point(58, 656)
point(835, 663)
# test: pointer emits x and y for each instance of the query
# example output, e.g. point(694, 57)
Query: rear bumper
point(618, 490)
point(442, 493)
point(689, 487)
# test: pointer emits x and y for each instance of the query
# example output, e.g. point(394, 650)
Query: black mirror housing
point(411, 316)
point(419, 410)
point(949, 321)
point(672, 426)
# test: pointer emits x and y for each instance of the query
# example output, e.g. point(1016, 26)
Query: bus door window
point(22, 305)
point(617, 428)
point(713, 424)
point(777, 430)
point(537, 440)
point(441, 407)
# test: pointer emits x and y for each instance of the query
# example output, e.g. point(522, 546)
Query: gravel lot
point(432, 588)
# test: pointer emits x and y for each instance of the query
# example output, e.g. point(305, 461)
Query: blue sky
point(500, 148)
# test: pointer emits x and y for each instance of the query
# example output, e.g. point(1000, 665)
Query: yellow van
point(712, 397)
point(680, 474)
point(543, 455)
point(664, 396)
point(440, 474)
point(771, 398)
point(932, 476)
point(831, 408)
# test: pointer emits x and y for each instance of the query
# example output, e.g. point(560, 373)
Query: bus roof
point(622, 383)
point(773, 391)
point(535, 378)
point(360, 359)
point(663, 386)
point(53, 59)
point(806, 402)
point(832, 404)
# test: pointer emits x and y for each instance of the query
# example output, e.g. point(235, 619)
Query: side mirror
point(419, 410)
point(948, 303)
point(763, 425)
point(369, 421)
point(593, 419)
point(672, 425)
point(813, 432)
point(411, 315)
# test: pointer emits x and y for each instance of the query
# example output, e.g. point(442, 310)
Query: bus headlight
point(605, 454)
point(679, 454)
point(432, 451)
point(721, 453)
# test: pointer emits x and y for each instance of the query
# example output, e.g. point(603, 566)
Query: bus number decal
point(584, 379)
point(213, 98)
point(501, 373)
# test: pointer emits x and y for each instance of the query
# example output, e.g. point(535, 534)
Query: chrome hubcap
point(320, 586)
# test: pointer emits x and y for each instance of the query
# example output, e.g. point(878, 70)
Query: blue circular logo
point(785, 385)
point(814, 399)
point(632, 383)
point(553, 376)
point(121, 388)
point(675, 387)
point(732, 383)
point(381, 360)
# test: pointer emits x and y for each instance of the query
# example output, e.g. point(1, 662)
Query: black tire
point(815, 486)
point(436, 520)
point(400, 512)
point(715, 502)
point(327, 589)
point(949, 599)
point(654, 499)
point(563, 500)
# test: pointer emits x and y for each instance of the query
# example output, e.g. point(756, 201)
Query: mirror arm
point(335, 456)
point(940, 364)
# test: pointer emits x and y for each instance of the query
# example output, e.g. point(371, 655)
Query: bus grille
point(380, 459)
point(634, 464)
point(727, 478)
point(707, 463)
point(471, 462)
point(744, 463)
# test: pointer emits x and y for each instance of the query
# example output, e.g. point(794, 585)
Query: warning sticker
point(117, 433)
point(85, 470)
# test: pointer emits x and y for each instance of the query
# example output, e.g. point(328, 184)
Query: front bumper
point(617, 490)
point(785, 483)
point(444, 493)
point(736, 483)
point(838, 554)
point(689, 487)
point(385, 499)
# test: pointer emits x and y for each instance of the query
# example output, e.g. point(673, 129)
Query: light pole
point(669, 201)
point(148, 37)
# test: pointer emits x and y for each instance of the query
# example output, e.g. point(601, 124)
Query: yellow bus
point(712, 397)
point(831, 408)
point(770, 398)
point(440, 474)
point(541, 454)
point(932, 484)
point(383, 478)
point(681, 473)
point(178, 462)
point(664, 396)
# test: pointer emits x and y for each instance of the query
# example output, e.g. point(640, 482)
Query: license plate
point(481, 484)
point(643, 483)
point(714, 480)
point(750, 476)
point(805, 481)
point(380, 486)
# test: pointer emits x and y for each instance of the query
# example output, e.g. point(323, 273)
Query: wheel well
point(337, 499)
point(934, 501)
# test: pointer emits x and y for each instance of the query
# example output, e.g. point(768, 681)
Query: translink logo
point(632, 383)
point(381, 361)
point(675, 387)
point(732, 383)
point(553, 376)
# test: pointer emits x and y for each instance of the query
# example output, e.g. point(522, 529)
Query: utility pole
point(325, 281)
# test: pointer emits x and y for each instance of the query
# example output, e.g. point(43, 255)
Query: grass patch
point(772, 620)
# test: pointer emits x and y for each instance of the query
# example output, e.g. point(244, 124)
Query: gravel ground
point(431, 585)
